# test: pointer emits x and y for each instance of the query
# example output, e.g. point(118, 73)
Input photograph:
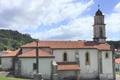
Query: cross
point(98, 6)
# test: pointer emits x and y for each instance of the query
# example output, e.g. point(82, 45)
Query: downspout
point(113, 62)
point(98, 55)
point(99, 63)
point(51, 67)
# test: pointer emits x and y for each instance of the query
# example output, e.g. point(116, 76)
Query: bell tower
point(99, 27)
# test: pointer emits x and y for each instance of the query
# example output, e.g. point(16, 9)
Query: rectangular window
point(34, 66)
point(0, 60)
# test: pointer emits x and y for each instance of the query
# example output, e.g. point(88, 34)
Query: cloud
point(117, 7)
point(113, 23)
point(61, 19)
point(24, 14)
point(79, 28)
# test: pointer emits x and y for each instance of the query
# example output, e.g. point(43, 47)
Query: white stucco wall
point(63, 74)
point(86, 71)
point(107, 65)
point(58, 53)
point(44, 66)
point(6, 63)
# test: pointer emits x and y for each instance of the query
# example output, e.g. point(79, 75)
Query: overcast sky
point(59, 19)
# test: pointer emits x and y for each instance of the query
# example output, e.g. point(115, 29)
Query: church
point(60, 60)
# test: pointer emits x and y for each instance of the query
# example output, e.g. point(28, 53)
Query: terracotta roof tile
point(32, 53)
point(103, 46)
point(56, 44)
point(68, 67)
point(10, 53)
point(117, 60)
point(69, 44)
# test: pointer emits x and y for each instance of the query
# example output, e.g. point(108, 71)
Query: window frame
point(65, 57)
point(87, 58)
point(34, 66)
point(106, 55)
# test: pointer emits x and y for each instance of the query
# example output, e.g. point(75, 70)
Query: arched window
point(77, 56)
point(65, 57)
point(106, 55)
point(87, 58)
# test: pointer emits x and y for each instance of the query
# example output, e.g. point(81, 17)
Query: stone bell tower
point(99, 28)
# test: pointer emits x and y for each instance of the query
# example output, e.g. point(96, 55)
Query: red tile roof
point(68, 67)
point(32, 53)
point(117, 60)
point(9, 53)
point(103, 46)
point(56, 45)
point(69, 44)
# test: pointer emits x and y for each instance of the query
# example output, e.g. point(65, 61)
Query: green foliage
point(13, 39)
point(116, 44)
point(2, 77)
point(117, 55)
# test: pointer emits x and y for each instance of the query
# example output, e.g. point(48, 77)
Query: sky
point(59, 19)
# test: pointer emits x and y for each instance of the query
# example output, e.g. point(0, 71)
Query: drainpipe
point(98, 55)
point(100, 64)
point(113, 61)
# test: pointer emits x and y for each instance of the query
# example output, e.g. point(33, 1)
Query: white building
point(89, 59)
point(117, 64)
point(117, 51)
point(6, 59)
point(64, 59)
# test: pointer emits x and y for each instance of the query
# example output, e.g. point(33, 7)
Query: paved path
point(117, 77)
point(4, 73)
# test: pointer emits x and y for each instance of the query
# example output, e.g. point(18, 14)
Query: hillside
point(13, 39)
point(116, 44)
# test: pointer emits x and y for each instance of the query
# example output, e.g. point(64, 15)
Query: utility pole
point(37, 57)
point(37, 76)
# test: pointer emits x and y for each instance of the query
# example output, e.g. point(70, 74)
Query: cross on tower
point(98, 6)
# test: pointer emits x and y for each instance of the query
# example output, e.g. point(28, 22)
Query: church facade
point(58, 60)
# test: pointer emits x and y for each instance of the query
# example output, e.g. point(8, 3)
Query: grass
point(10, 78)
point(118, 72)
